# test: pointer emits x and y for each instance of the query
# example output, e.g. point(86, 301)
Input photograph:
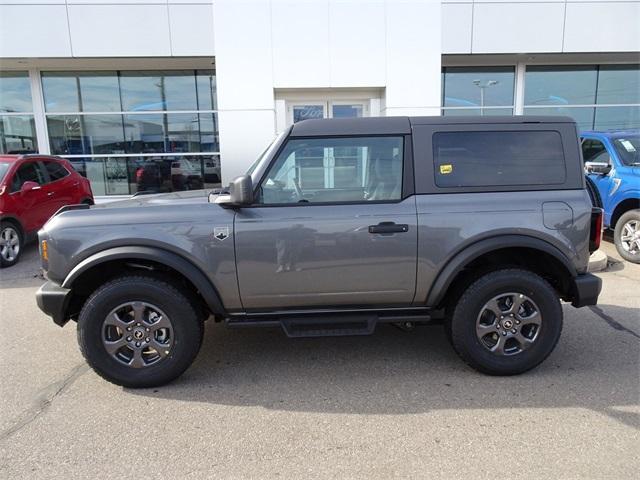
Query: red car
point(32, 188)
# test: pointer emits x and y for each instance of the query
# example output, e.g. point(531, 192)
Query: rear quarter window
point(498, 159)
point(56, 170)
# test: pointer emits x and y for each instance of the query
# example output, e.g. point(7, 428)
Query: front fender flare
point(158, 255)
point(469, 254)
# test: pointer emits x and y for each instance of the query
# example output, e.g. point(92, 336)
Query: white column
point(324, 45)
point(37, 99)
point(244, 78)
point(519, 98)
point(413, 57)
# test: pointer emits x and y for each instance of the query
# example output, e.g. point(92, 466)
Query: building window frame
point(521, 63)
point(207, 161)
point(482, 108)
point(32, 112)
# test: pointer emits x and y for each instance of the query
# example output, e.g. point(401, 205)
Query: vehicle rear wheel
point(139, 331)
point(11, 241)
point(506, 322)
point(627, 236)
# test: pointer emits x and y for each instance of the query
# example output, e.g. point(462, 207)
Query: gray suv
point(483, 224)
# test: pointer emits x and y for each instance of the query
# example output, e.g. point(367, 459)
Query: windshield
point(628, 149)
point(4, 167)
point(263, 155)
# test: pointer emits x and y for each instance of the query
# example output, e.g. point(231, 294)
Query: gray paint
point(76, 235)
point(333, 258)
point(451, 223)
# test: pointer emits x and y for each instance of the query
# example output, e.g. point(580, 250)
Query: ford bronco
point(483, 224)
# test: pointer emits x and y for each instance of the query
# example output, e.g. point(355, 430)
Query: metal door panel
point(324, 255)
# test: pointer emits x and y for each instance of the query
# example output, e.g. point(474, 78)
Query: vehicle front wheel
point(139, 331)
point(627, 236)
point(506, 322)
point(10, 244)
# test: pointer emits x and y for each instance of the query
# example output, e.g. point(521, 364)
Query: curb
point(598, 261)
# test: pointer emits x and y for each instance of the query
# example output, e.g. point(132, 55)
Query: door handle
point(50, 194)
point(389, 227)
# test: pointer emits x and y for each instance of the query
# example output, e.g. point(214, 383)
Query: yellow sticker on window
point(444, 169)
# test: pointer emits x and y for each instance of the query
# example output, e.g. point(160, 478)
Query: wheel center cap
point(507, 324)
point(138, 334)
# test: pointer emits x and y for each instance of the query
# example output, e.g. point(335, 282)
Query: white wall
point(389, 45)
point(244, 67)
point(78, 28)
point(540, 26)
point(34, 31)
point(105, 28)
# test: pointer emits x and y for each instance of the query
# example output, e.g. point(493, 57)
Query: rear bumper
point(586, 289)
point(53, 300)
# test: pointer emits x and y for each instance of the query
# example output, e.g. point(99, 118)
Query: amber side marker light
point(44, 252)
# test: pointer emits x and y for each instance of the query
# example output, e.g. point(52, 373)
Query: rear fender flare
point(463, 258)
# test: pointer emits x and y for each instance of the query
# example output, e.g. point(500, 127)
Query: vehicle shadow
point(594, 367)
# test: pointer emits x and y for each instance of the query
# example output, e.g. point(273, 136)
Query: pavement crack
point(43, 400)
point(613, 323)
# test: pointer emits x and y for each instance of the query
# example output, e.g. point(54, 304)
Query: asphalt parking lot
point(257, 405)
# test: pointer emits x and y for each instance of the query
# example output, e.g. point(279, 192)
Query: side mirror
point(601, 168)
point(240, 193)
point(28, 186)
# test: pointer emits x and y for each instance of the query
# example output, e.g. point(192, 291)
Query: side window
point(56, 170)
point(340, 169)
point(27, 172)
point(498, 159)
point(595, 151)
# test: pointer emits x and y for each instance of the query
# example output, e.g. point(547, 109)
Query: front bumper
point(54, 300)
point(585, 290)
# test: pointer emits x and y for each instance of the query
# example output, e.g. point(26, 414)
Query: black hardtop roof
point(402, 125)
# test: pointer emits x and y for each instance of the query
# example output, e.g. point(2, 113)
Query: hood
point(171, 208)
point(188, 197)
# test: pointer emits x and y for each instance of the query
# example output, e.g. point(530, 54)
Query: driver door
point(330, 227)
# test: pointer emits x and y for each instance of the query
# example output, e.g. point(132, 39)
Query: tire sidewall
point(3, 226)
point(186, 331)
point(490, 286)
point(617, 233)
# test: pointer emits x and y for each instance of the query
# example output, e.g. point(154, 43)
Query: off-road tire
point(470, 304)
point(617, 233)
point(177, 304)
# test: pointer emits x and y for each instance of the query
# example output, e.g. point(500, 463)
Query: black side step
point(334, 326)
point(331, 323)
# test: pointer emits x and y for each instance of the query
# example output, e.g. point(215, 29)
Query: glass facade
point(598, 97)
point(131, 131)
point(17, 126)
point(478, 91)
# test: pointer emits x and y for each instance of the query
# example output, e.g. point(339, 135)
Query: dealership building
point(163, 95)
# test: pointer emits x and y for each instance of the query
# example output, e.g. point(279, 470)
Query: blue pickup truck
point(612, 162)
